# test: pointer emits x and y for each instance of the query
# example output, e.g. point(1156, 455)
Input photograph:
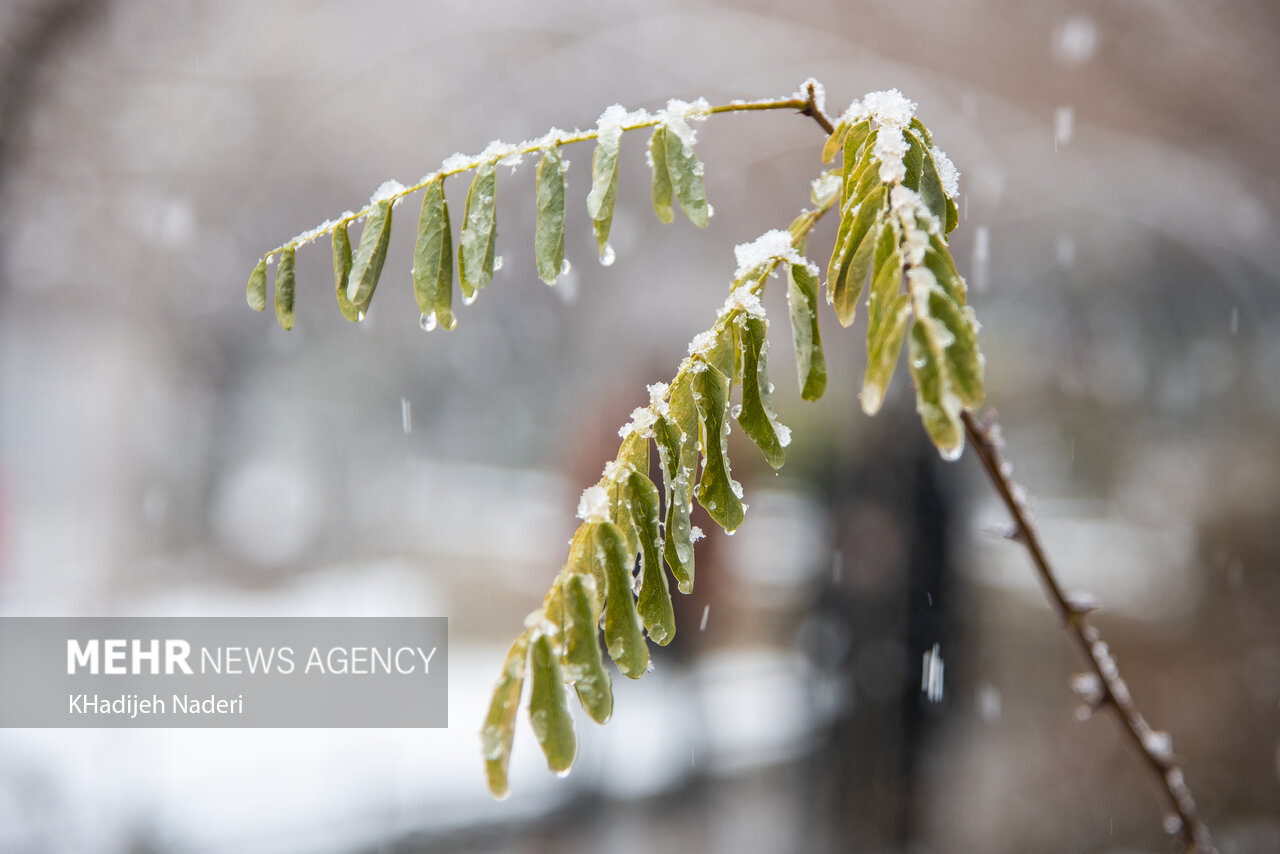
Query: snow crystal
point(657, 393)
point(824, 188)
point(702, 343)
point(1088, 686)
point(457, 162)
point(891, 147)
point(947, 171)
point(593, 506)
point(743, 300)
point(784, 434)
point(888, 107)
point(819, 94)
point(1159, 744)
point(774, 243)
point(612, 121)
point(695, 534)
point(931, 674)
point(642, 421)
point(678, 114)
point(387, 190)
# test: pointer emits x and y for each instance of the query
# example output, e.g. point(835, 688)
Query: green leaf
point(661, 176)
point(548, 243)
point(953, 216)
point(724, 352)
point(802, 300)
point(716, 489)
point(853, 259)
point(887, 282)
point(433, 257)
point(255, 293)
point(938, 406)
point(913, 161)
point(835, 142)
point(284, 289)
point(341, 246)
point(604, 191)
point(857, 154)
point(370, 255)
point(479, 231)
point(921, 131)
point(623, 635)
point(884, 344)
point(938, 260)
point(582, 663)
point(655, 597)
point(757, 418)
point(500, 724)
point(931, 192)
point(686, 176)
point(677, 547)
point(548, 709)
point(964, 362)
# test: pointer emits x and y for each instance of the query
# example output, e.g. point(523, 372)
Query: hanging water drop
point(497, 263)
point(565, 267)
point(427, 322)
point(608, 256)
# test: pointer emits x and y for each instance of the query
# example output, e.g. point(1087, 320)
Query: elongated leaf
point(931, 192)
point(953, 215)
point(921, 131)
point(717, 491)
point(686, 177)
point(938, 260)
point(886, 286)
point(582, 663)
point(548, 709)
point(835, 142)
point(883, 349)
point(724, 353)
point(964, 362)
point(913, 161)
point(802, 300)
point(757, 418)
point(284, 289)
point(341, 248)
point(548, 243)
point(255, 293)
point(623, 635)
point(854, 262)
point(582, 551)
point(500, 724)
point(937, 404)
point(858, 143)
point(655, 597)
point(479, 231)
point(433, 257)
point(661, 187)
point(604, 191)
point(366, 268)
point(677, 548)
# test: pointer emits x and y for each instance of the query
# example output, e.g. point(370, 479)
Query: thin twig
point(1154, 748)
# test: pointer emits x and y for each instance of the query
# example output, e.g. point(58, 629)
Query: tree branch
point(1103, 686)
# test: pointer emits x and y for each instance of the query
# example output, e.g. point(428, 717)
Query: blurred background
point(165, 451)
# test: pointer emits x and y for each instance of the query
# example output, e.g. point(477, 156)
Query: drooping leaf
point(938, 260)
point(686, 178)
point(340, 245)
point(677, 548)
point(366, 267)
point(913, 161)
point(433, 257)
point(255, 293)
point(717, 491)
point(500, 724)
point(931, 192)
point(802, 300)
point(757, 418)
point(548, 709)
point(284, 289)
point(964, 362)
point(886, 285)
point(582, 662)
point(623, 635)
point(724, 352)
point(884, 344)
point(854, 260)
point(548, 244)
point(604, 191)
point(953, 215)
point(661, 187)
point(937, 404)
point(918, 128)
point(858, 143)
point(479, 231)
point(835, 142)
point(655, 597)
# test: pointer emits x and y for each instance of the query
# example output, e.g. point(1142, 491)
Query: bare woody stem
point(1152, 747)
